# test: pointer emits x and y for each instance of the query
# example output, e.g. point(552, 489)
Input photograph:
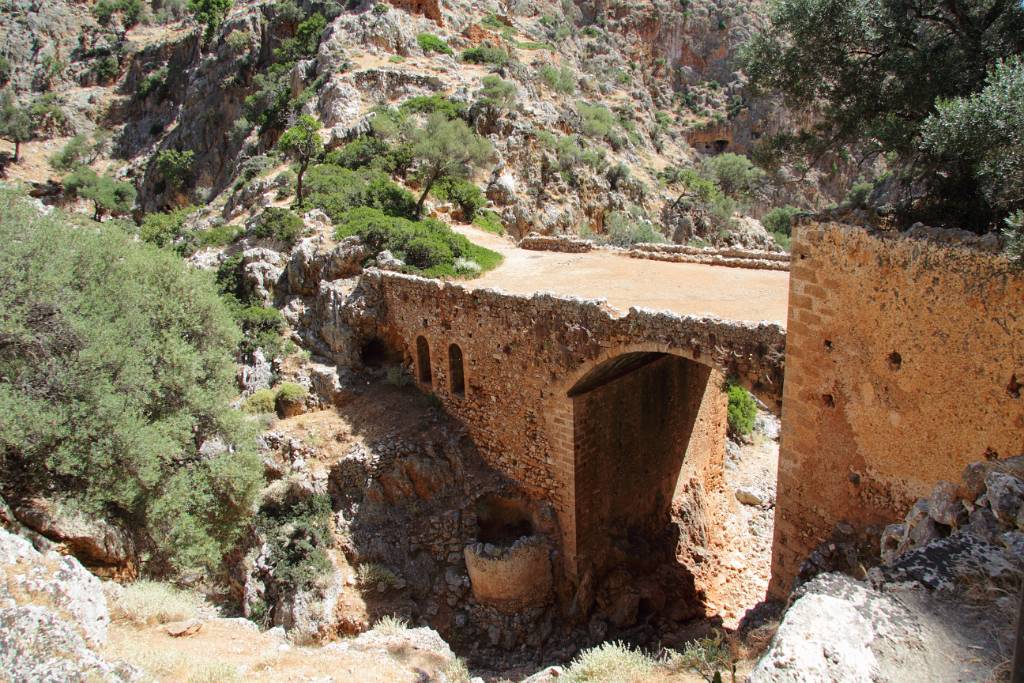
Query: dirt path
point(684, 288)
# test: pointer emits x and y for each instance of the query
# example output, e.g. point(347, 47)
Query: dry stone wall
point(905, 362)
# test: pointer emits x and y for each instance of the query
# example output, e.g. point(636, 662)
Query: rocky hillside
point(616, 121)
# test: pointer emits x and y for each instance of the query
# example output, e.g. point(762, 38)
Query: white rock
point(748, 495)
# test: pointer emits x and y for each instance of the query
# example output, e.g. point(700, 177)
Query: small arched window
point(456, 372)
point(423, 360)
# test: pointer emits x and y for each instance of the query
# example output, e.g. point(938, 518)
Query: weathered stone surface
point(862, 337)
point(257, 374)
point(55, 581)
point(944, 505)
point(1005, 494)
point(183, 629)
point(261, 271)
point(748, 495)
point(37, 645)
point(92, 540)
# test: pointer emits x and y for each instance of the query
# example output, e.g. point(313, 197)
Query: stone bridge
point(609, 418)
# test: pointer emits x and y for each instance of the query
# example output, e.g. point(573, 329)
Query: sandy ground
point(684, 288)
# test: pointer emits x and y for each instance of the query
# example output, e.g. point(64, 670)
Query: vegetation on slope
point(115, 368)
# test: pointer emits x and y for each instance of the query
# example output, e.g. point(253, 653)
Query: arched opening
point(376, 354)
point(423, 360)
point(648, 438)
point(456, 371)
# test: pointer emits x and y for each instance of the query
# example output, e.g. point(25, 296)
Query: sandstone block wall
point(905, 362)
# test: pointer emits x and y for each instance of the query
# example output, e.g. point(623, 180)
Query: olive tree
point(446, 148)
point(302, 142)
point(16, 124)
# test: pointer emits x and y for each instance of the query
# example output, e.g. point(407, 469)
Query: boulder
point(37, 645)
point(749, 495)
point(1005, 493)
point(261, 271)
point(93, 540)
point(944, 505)
point(257, 374)
point(346, 259)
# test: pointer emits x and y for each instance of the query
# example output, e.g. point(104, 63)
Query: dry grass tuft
point(215, 673)
point(152, 602)
point(390, 626)
point(610, 663)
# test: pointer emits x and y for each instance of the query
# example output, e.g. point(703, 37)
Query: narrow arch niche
point(456, 370)
point(423, 360)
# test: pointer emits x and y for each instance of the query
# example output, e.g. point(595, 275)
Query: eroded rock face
point(92, 540)
point(53, 616)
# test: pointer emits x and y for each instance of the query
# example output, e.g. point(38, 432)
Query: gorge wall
point(904, 363)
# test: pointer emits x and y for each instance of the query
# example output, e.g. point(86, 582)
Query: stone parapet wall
point(905, 362)
point(563, 243)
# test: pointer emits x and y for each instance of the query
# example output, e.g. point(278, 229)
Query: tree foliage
point(446, 148)
point(16, 123)
point(107, 194)
point(175, 167)
point(209, 14)
point(115, 367)
point(872, 72)
point(302, 142)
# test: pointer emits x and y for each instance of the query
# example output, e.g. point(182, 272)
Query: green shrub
point(130, 10)
point(298, 537)
point(858, 194)
point(107, 194)
point(362, 151)
point(106, 69)
point(428, 246)
point(175, 166)
point(780, 220)
point(611, 662)
point(305, 41)
point(560, 80)
point(597, 119)
point(428, 42)
point(238, 40)
point(497, 93)
point(742, 410)
point(278, 224)
point(260, 402)
point(154, 82)
point(428, 104)
point(489, 221)
point(624, 229)
point(335, 190)
point(486, 54)
point(162, 229)
point(1013, 233)
point(289, 392)
point(736, 175)
point(110, 393)
point(467, 196)
point(72, 154)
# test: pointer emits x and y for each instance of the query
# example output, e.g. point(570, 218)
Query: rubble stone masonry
point(505, 366)
point(904, 363)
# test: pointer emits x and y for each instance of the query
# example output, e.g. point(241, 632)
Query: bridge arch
point(637, 433)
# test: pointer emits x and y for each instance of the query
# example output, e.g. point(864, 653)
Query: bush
point(486, 54)
point(109, 394)
point(858, 195)
point(362, 151)
point(736, 175)
point(175, 167)
point(152, 602)
point(389, 625)
point(497, 93)
point(162, 229)
point(742, 410)
point(469, 198)
point(625, 229)
point(336, 190)
point(560, 80)
point(106, 69)
point(427, 246)
point(72, 154)
point(107, 194)
point(130, 10)
point(153, 82)
point(261, 328)
point(298, 536)
point(260, 402)
point(780, 220)
point(279, 224)
point(1013, 233)
point(597, 119)
point(610, 662)
point(428, 104)
point(428, 42)
point(289, 392)
point(489, 221)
